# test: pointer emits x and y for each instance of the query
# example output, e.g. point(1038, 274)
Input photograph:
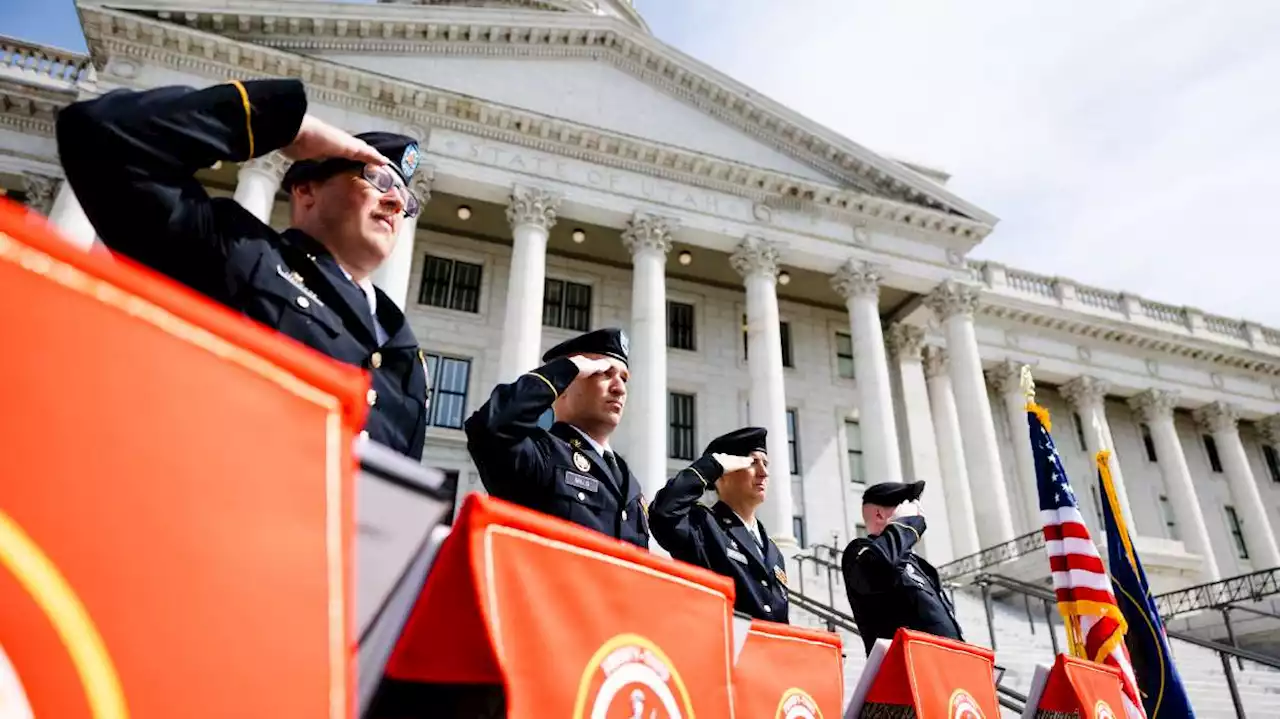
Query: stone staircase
point(1021, 643)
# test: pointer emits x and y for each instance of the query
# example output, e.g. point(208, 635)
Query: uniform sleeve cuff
point(276, 109)
point(559, 373)
point(708, 468)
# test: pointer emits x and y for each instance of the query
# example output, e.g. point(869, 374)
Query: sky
point(1128, 146)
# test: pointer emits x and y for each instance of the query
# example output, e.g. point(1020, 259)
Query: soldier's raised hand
point(588, 367)
point(318, 139)
point(908, 508)
point(732, 463)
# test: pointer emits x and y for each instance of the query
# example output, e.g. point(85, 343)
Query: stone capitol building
point(580, 173)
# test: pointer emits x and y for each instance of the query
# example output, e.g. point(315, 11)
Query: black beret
point(402, 150)
point(891, 494)
point(740, 442)
point(610, 342)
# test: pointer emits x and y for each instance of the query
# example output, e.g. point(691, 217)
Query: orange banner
point(571, 622)
point(937, 677)
point(1087, 689)
point(786, 672)
point(174, 514)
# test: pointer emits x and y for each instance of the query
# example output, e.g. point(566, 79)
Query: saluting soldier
point(889, 585)
point(131, 158)
point(726, 537)
point(568, 471)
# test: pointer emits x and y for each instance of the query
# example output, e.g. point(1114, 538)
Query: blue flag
point(1159, 684)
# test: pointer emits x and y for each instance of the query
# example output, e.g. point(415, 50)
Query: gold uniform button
point(768, 609)
point(624, 515)
point(303, 302)
point(375, 360)
point(372, 397)
point(582, 497)
point(764, 583)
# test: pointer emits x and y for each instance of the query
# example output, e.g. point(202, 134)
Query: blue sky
point(1125, 145)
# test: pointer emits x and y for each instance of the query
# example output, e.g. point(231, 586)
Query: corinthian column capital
point(40, 191)
point(272, 164)
point(936, 363)
point(1084, 392)
point(857, 279)
point(648, 232)
point(420, 185)
point(1217, 417)
point(532, 206)
point(953, 298)
point(904, 341)
point(755, 256)
point(1006, 376)
point(1154, 405)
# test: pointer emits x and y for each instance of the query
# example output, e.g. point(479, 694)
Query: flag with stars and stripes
point(1094, 622)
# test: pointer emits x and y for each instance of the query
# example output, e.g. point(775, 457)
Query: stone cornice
point(463, 31)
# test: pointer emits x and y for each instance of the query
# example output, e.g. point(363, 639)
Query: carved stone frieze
point(1154, 405)
point(952, 298)
point(904, 341)
point(532, 206)
point(755, 256)
point(40, 191)
point(1217, 417)
point(857, 279)
point(645, 232)
point(936, 362)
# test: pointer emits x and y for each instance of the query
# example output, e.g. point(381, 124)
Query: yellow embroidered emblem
point(580, 461)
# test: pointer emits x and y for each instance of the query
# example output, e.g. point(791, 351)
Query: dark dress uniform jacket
point(131, 158)
point(715, 538)
point(553, 471)
point(889, 586)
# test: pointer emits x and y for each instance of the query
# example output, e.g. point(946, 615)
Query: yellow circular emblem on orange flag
point(964, 706)
point(797, 704)
point(40, 578)
point(630, 676)
point(1102, 710)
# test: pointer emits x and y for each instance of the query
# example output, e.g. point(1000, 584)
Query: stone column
point(954, 303)
point(1155, 407)
point(757, 261)
point(55, 199)
point(859, 284)
point(532, 214)
point(257, 183)
point(394, 273)
point(1087, 397)
point(951, 464)
point(1219, 419)
point(904, 343)
point(1006, 379)
point(649, 240)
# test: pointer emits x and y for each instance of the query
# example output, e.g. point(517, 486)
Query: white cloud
point(1126, 145)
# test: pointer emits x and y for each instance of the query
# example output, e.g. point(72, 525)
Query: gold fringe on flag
point(1103, 460)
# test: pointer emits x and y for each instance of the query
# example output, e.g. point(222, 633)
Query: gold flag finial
point(1028, 384)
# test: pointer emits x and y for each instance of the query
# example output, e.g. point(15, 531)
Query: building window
point(1237, 532)
point(844, 355)
point(1097, 507)
point(680, 434)
point(784, 331)
point(1079, 423)
point(797, 528)
point(1170, 522)
point(680, 326)
point(860, 530)
point(1211, 449)
point(566, 305)
point(450, 284)
point(853, 438)
point(1148, 442)
point(793, 444)
point(449, 378)
point(450, 488)
point(1272, 461)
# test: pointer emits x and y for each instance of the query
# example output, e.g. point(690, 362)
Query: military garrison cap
point(610, 342)
point(740, 442)
point(891, 494)
point(400, 149)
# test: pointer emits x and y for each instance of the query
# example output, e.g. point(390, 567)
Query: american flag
point(1095, 625)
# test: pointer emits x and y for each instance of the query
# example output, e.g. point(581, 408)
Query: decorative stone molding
point(857, 279)
point(1154, 405)
point(41, 191)
point(1269, 428)
point(272, 164)
point(420, 185)
point(953, 298)
point(904, 341)
point(1217, 417)
point(1084, 392)
point(646, 232)
point(936, 362)
point(532, 206)
point(755, 256)
point(1006, 376)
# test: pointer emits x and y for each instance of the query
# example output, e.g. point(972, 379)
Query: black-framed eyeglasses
point(383, 178)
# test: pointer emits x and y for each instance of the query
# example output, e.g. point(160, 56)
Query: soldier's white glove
point(907, 509)
point(588, 367)
point(732, 463)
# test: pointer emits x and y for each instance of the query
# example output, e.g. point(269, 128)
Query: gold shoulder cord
point(248, 121)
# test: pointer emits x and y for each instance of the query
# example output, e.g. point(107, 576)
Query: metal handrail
point(1214, 595)
point(997, 554)
point(1009, 698)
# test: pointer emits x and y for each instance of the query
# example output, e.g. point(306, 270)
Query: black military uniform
point(715, 537)
point(889, 586)
point(556, 471)
point(131, 158)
